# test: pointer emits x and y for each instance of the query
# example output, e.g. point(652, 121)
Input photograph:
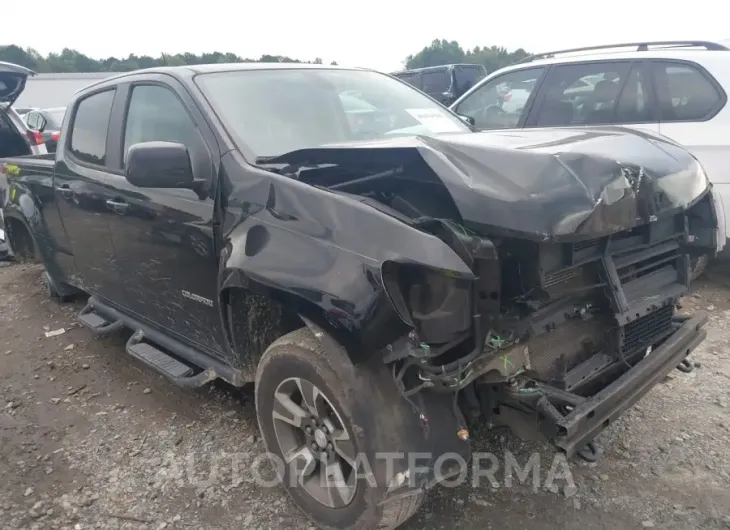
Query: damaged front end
point(579, 244)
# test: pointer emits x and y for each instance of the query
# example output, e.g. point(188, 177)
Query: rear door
point(596, 93)
point(79, 181)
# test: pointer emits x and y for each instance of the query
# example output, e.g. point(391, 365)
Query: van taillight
point(55, 136)
point(35, 137)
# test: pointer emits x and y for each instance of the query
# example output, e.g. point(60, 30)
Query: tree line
point(68, 60)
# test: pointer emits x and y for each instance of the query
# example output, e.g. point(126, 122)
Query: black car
point(386, 290)
point(445, 83)
point(47, 122)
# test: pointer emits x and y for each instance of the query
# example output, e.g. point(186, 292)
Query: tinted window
point(411, 79)
point(634, 105)
point(499, 103)
point(90, 127)
point(271, 112)
point(581, 94)
point(435, 81)
point(685, 93)
point(467, 77)
point(156, 114)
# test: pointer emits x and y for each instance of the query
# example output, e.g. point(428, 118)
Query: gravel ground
point(91, 439)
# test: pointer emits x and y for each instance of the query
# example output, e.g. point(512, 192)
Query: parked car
point(48, 123)
point(677, 88)
point(444, 83)
point(384, 294)
point(15, 137)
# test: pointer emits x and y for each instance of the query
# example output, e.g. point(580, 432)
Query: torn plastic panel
point(546, 184)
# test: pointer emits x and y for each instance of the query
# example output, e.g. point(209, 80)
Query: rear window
point(685, 92)
point(90, 127)
point(468, 76)
point(436, 81)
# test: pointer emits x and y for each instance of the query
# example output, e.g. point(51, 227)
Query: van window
point(436, 81)
point(412, 79)
point(90, 127)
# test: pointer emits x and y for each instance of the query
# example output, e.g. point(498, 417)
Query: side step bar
point(184, 366)
point(179, 373)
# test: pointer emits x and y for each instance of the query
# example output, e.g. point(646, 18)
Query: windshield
point(55, 117)
point(272, 112)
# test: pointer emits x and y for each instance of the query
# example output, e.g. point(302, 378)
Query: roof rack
point(640, 47)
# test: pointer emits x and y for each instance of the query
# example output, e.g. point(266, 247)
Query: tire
point(359, 397)
point(698, 266)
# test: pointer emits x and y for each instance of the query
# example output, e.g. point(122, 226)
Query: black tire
point(355, 393)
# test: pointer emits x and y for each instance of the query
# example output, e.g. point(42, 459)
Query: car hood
point(543, 184)
point(12, 81)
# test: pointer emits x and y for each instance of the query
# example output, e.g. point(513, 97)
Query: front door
point(79, 187)
point(164, 238)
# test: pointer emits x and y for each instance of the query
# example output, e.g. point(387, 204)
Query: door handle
point(118, 207)
point(65, 191)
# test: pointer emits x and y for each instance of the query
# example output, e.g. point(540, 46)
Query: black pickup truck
point(386, 286)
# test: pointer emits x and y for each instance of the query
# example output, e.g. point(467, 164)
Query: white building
point(55, 90)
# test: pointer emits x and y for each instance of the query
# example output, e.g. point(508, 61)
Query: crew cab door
point(79, 179)
point(164, 238)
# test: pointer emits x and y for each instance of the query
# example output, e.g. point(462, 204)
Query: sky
point(375, 34)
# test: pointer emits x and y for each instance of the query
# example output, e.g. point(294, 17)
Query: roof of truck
point(192, 69)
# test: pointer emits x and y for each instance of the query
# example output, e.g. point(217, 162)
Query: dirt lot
point(91, 439)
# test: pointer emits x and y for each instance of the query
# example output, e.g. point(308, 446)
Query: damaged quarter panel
point(323, 253)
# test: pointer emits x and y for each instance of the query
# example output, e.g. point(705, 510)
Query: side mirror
point(159, 165)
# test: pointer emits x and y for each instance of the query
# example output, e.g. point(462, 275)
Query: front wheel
point(314, 412)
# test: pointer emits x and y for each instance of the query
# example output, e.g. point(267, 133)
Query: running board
point(178, 372)
point(94, 318)
point(150, 346)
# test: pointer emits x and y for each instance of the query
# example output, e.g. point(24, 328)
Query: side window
point(685, 93)
point(90, 127)
point(435, 81)
point(156, 114)
point(581, 94)
point(411, 79)
point(500, 102)
point(634, 105)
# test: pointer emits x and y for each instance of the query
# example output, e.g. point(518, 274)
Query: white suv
point(678, 89)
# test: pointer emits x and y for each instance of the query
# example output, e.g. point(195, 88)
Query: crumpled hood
point(543, 184)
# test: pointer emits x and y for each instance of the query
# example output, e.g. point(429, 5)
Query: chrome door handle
point(65, 191)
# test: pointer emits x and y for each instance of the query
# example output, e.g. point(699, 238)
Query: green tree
point(450, 52)
point(69, 60)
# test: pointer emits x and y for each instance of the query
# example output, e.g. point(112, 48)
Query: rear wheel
point(308, 413)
